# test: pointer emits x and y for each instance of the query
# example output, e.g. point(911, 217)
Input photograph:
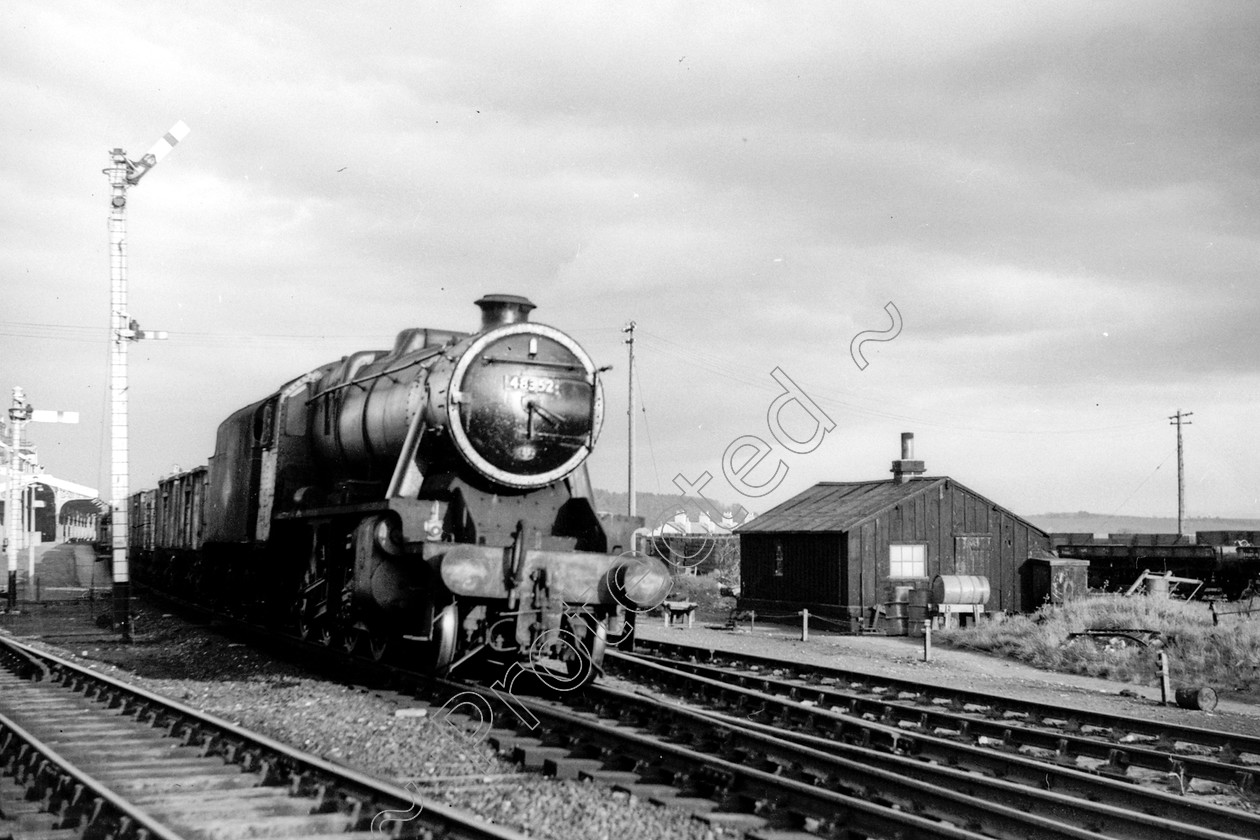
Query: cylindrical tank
point(1157, 587)
point(1203, 699)
point(960, 589)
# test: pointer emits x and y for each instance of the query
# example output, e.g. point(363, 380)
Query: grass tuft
point(1225, 657)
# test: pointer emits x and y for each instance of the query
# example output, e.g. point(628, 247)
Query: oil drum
point(895, 618)
point(960, 589)
point(1203, 699)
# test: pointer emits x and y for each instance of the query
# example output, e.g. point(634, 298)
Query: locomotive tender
point(434, 494)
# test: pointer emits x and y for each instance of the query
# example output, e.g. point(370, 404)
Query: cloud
point(1058, 199)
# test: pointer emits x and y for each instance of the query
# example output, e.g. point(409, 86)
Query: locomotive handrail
point(532, 362)
point(435, 351)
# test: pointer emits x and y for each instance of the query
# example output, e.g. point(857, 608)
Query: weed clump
point(1226, 657)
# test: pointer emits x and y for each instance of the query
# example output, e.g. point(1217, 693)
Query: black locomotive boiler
point(433, 497)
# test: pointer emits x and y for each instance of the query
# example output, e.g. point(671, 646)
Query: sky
point(1055, 202)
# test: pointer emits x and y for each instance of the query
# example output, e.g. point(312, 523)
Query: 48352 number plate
point(531, 384)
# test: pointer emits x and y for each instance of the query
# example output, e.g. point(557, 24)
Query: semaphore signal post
point(124, 173)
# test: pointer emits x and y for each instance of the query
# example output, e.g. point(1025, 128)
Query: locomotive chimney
point(498, 310)
point(907, 468)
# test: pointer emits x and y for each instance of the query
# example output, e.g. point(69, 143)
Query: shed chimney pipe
point(906, 468)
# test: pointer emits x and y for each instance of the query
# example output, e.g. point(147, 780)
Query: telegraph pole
point(1178, 420)
point(124, 173)
point(629, 330)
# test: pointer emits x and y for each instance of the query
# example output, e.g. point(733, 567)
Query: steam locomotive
point(433, 497)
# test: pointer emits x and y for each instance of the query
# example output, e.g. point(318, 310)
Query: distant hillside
point(652, 506)
point(1083, 522)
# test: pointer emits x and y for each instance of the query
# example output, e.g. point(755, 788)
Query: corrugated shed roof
point(836, 505)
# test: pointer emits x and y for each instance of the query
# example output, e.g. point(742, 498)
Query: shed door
point(972, 557)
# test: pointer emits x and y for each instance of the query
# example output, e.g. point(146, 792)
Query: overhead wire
point(80, 333)
point(86, 334)
point(1141, 484)
point(648, 429)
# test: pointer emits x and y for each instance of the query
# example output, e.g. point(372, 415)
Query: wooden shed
point(842, 548)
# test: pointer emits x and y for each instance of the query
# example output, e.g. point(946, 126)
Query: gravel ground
point(381, 735)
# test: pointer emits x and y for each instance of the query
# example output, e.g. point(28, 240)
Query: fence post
point(1165, 684)
point(927, 640)
point(804, 625)
point(752, 619)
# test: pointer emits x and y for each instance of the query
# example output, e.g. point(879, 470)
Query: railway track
point(772, 783)
point(783, 768)
point(581, 744)
point(1128, 809)
point(85, 755)
point(1112, 744)
point(723, 791)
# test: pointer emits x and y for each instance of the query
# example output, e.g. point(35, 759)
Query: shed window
point(907, 560)
point(778, 559)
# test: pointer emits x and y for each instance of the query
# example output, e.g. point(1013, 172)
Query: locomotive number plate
point(531, 384)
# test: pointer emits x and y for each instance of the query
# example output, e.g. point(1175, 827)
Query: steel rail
point(865, 808)
point(302, 769)
point(841, 729)
point(989, 805)
point(1098, 817)
point(1064, 742)
point(77, 798)
point(19, 662)
point(1228, 743)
